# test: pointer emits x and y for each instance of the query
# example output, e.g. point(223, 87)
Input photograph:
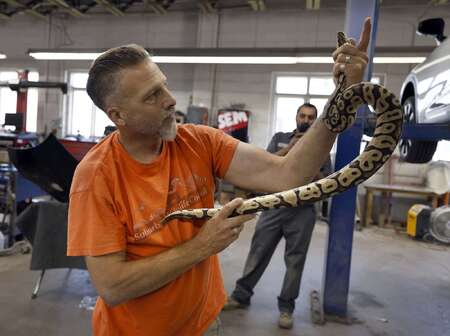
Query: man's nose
point(169, 100)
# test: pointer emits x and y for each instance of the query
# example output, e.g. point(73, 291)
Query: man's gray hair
point(103, 75)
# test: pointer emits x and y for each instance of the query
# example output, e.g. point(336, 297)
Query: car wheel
point(415, 151)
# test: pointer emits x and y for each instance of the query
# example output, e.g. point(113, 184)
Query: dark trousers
point(296, 226)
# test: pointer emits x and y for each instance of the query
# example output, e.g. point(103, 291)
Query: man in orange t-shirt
point(165, 280)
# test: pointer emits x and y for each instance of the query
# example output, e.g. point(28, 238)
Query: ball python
point(339, 114)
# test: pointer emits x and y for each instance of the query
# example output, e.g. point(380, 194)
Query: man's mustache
point(169, 113)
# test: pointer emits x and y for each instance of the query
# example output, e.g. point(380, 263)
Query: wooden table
point(389, 189)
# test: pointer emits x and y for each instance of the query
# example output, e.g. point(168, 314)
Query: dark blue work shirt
point(281, 140)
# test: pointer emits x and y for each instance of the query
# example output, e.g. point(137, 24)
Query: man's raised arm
point(255, 169)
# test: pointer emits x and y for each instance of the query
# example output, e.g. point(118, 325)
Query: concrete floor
point(398, 287)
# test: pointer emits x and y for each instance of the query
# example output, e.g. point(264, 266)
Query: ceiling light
point(2, 56)
point(225, 59)
point(61, 56)
point(315, 59)
point(401, 59)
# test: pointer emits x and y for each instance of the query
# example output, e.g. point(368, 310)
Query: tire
point(415, 151)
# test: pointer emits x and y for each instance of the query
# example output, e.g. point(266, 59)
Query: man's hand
point(220, 231)
point(352, 59)
point(118, 280)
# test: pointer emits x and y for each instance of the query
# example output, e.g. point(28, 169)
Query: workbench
point(387, 190)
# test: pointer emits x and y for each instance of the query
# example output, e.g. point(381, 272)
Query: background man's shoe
point(285, 321)
point(233, 304)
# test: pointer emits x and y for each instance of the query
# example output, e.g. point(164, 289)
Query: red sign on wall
point(234, 122)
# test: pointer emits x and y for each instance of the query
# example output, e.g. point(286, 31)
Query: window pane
point(8, 102)
point(32, 107)
point(319, 103)
point(291, 85)
point(6, 76)
point(81, 113)
point(101, 121)
point(321, 85)
point(285, 112)
point(78, 80)
point(32, 103)
point(8, 97)
point(33, 76)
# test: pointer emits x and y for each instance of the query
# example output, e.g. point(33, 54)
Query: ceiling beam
point(62, 4)
point(313, 4)
point(110, 7)
point(257, 5)
point(208, 6)
point(35, 13)
point(27, 10)
point(156, 7)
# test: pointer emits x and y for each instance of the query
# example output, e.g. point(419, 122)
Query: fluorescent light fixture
point(378, 60)
point(225, 59)
point(62, 56)
point(2, 56)
point(274, 60)
point(398, 60)
point(315, 59)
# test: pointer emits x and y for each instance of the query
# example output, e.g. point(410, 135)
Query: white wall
point(204, 84)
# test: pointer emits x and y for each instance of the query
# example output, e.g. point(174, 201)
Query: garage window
point(83, 117)
point(8, 99)
point(292, 90)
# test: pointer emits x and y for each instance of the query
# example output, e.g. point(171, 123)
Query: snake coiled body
point(338, 115)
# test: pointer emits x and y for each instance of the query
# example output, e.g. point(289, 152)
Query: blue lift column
point(335, 285)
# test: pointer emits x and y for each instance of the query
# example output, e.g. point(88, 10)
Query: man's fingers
point(228, 208)
point(364, 38)
point(346, 68)
point(350, 50)
point(239, 220)
point(349, 59)
point(237, 223)
point(338, 68)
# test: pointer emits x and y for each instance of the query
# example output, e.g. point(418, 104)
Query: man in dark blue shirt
point(294, 224)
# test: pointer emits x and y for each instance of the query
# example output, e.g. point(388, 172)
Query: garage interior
point(379, 259)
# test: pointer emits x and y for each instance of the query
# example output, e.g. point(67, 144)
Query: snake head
point(341, 38)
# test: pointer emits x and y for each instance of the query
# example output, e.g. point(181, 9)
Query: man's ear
point(116, 115)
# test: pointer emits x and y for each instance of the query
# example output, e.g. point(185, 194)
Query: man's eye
point(153, 95)
point(150, 98)
point(156, 92)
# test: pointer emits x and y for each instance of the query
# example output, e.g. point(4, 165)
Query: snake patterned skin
point(339, 114)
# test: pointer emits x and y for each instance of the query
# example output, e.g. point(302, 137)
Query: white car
point(425, 93)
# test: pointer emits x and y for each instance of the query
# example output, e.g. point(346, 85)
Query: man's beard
point(168, 130)
point(303, 127)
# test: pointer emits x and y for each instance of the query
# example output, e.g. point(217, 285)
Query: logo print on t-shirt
point(182, 194)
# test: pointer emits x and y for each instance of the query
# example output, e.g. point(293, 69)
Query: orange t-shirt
point(116, 204)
